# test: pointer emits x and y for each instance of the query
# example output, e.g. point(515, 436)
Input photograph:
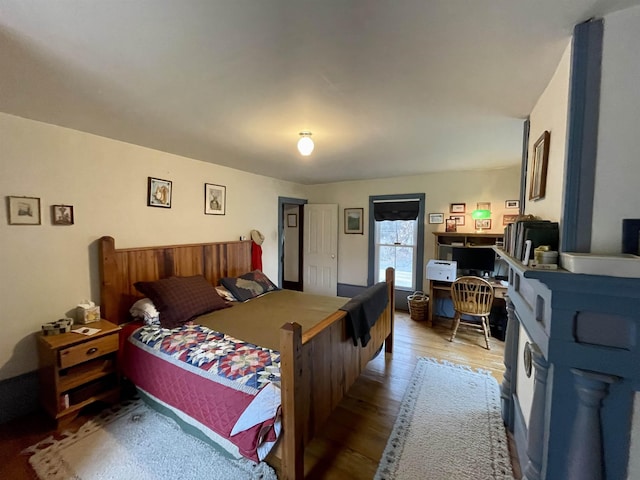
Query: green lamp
point(480, 214)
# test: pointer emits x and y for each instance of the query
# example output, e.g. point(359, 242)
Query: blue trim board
point(582, 136)
point(420, 246)
point(18, 396)
point(282, 201)
point(525, 161)
point(520, 433)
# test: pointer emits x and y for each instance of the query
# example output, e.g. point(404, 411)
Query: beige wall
point(47, 270)
point(441, 190)
point(550, 113)
point(617, 195)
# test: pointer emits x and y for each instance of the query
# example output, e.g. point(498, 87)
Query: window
point(396, 247)
point(396, 223)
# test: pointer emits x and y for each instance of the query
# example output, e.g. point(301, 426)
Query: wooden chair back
point(472, 295)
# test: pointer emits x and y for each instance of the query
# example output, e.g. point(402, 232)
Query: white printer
point(442, 270)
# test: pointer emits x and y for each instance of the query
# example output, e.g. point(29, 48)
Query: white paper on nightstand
point(86, 331)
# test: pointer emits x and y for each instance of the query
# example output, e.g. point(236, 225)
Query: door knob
point(333, 256)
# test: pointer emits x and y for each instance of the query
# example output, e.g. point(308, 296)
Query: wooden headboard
point(121, 268)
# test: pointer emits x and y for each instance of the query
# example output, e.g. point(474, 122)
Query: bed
point(318, 362)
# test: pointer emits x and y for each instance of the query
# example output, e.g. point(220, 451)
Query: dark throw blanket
point(363, 310)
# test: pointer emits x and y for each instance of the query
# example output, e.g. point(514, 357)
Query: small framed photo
point(507, 219)
point(483, 205)
point(23, 210)
point(436, 218)
point(460, 219)
point(62, 214)
point(353, 220)
point(512, 204)
point(292, 220)
point(458, 208)
point(483, 224)
point(450, 225)
point(158, 193)
point(215, 199)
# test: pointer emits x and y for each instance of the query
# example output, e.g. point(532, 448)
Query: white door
point(320, 263)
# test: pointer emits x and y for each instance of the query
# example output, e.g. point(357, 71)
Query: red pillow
point(180, 299)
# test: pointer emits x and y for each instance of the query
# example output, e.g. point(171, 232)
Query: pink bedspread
point(227, 388)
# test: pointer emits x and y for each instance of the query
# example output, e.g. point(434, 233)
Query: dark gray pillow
point(249, 285)
point(180, 299)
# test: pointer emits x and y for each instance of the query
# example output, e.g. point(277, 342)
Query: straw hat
point(257, 237)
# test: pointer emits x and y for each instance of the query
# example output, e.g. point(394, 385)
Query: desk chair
point(472, 296)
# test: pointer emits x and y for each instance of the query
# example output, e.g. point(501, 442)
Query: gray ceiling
point(388, 88)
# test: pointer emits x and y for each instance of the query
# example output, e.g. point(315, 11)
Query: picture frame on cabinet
point(450, 225)
point(23, 210)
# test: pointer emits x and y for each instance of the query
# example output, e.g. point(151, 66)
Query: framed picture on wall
point(292, 220)
point(436, 218)
point(158, 193)
point(24, 210)
point(539, 168)
point(483, 224)
point(353, 220)
point(460, 219)
point(512, 204)
point(62, 214)
point(458, 208)
point(507, 219)
point(215, 199)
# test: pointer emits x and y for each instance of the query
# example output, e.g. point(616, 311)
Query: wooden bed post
point(390, 279)
point(292, 421)
point(108, 271)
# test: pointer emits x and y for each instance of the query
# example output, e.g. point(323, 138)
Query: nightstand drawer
point(88, 350)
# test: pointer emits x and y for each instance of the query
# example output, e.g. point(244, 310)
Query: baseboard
point(520, 433)
point(18, 396)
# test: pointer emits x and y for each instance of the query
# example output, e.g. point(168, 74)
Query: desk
point(443, 289)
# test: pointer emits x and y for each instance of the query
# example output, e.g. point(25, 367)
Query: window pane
point(400, 258)
point(387, 232)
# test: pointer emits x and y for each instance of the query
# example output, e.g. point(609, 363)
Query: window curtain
point(403, 210)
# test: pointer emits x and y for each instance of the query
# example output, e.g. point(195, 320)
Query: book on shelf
point(539, 232)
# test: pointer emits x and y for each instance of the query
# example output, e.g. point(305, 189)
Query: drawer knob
point(92, 350)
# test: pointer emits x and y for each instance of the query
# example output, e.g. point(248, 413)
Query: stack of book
point(538, 232)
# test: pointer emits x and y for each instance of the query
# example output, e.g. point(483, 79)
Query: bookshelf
point(444, 241)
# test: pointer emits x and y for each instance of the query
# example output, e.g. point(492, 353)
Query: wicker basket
point(418, 305)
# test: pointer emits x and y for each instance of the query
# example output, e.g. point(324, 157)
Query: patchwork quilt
point(227, 388)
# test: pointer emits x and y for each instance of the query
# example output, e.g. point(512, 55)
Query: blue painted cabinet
point(584, 350)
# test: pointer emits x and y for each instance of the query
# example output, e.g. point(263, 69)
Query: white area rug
point(134, 442)
point(449, 427)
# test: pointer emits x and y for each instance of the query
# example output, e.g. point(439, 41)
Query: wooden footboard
point(317, 367)
point(317, 370)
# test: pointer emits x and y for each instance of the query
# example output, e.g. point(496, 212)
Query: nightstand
point(77, 370)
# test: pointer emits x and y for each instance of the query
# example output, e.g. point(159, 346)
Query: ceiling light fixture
point(305, 144)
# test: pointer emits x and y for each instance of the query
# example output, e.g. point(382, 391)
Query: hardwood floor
point(357, 432)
